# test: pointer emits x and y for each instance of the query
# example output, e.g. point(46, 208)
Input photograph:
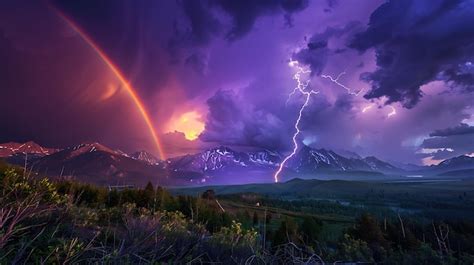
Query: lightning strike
point(393, 112)
point(367, 108)
point(336, 81)
point(301, 88)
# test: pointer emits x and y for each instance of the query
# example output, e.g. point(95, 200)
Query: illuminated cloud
point(190, 123)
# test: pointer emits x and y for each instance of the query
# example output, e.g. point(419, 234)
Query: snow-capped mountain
point(96, 163)
point(376, 164)
point(28, 148)
point(310, 160)
point(87, 148)
point(265, 157)
point(145, 157)
point(306, 160)
point(221, 158)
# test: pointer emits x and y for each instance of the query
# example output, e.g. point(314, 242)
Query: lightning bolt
point(336, 81)
point(301, 88)
point(351, 92)
point(393, 112)
point(390, 114)
point(366, 108)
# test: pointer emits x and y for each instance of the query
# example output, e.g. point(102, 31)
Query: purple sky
point(227, 61)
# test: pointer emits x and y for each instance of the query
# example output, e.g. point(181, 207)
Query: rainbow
point(128, 87)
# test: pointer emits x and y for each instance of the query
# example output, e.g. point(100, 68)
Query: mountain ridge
point(94, 162)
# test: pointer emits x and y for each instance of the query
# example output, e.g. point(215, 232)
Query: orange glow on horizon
point(428, 161)
point(190, 123)
point(130, 90)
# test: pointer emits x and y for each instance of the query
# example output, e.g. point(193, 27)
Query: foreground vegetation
point(44, 222)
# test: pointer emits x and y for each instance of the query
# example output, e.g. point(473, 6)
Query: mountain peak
point(145, 157)
point(30, 147)
point(88, 147)
point(456, 160)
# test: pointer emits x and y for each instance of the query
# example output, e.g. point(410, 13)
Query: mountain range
point(98, 164)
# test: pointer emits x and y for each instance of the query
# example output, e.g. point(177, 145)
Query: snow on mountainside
point(145, 157)
point(87, 148)
point(379, 165)
point(265, 157)
point(305, 160)
point(456, 163)
point(96, 163)
point(222, 157)
point(216, 159)
point(12, 148)
point(309, 160)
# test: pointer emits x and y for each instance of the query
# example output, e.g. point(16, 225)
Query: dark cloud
point(332, 3)
point(244, 13)
point(317, 51)
point(292, 6)
point(230, 121)
point(417, 42)
point(204, 20)
point(461, 144)
point(462, 76)
point(204, 23)
point(198, 61)
point(458, 130)
point(202, 26)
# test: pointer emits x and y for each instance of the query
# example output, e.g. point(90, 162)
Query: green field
point(427, 199)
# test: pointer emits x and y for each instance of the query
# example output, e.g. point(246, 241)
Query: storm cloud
point(231, 122)
point(317, 51)
point(462, 129)
point(417, 42)
point(205, 23)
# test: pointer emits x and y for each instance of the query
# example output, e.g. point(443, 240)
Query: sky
point(198, 74)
